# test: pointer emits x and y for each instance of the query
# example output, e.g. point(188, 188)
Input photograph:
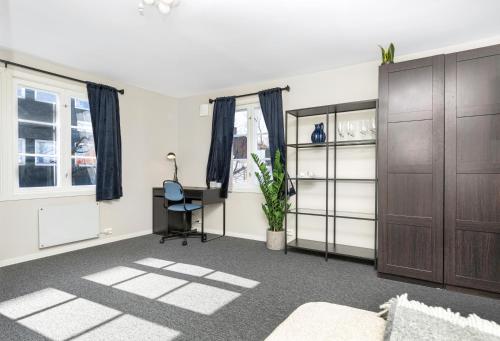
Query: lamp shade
point(171, 156)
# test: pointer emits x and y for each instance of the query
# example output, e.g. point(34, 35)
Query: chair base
point(183, 235)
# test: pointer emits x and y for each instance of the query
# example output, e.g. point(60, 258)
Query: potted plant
point(387, 55)
point(276, 205)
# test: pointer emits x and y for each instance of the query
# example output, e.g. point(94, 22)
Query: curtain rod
point(6, 62)
point(286, 88)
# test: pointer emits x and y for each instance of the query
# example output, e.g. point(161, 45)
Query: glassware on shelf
point(373, 127)
point(363, 130)
point(340, 130)
point(306, 174)
point(350, 129)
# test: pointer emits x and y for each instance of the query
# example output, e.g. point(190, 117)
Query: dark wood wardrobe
point(439, 169)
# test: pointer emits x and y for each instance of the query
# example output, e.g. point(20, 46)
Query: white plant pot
point(275, 240)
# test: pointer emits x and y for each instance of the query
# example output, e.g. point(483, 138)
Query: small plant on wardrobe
point(387, 55)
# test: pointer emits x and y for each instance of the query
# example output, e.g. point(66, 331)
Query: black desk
point(164, 222)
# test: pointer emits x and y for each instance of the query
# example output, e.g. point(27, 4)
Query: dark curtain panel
point(105, 114)
point(271, 104)
point(219, 158)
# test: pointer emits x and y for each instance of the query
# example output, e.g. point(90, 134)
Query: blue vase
point(318, 135)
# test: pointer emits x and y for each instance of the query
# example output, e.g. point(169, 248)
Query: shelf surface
point(337, 249)
point(367, 142)
point(356, 106)
point(314, 111)
point(335, 108)
point(344, 143)
point(356, 215)
point(333, 179)
point(355, 180)
point(330, 213)
point(311, 179)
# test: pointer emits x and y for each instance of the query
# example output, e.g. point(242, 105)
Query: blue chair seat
point(180, 207)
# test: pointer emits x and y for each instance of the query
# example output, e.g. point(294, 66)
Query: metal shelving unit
point(331, 113)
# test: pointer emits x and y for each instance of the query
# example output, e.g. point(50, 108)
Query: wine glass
point(350, 129)
point(363, 130)
point(340, 130)
point(373, 128)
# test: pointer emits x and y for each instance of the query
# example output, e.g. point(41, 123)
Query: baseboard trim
point(238, 235)
point(469, 291)
point(71, 247)
point(410, 280)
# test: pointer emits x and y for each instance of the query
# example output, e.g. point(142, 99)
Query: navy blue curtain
point(271, 104)
point(219, 157)
point(105, 114)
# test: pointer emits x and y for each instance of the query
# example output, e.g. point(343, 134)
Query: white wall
point(154, 124)
point(244, 216)
point(149, 132)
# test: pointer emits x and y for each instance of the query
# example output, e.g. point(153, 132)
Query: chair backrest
point(173, 190)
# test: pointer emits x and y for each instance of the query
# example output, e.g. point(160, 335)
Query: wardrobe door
point(472, 174)
point(411, 168)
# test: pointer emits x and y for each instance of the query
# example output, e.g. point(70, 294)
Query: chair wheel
point(162, 241)
point(204, 237)
point(184, 243)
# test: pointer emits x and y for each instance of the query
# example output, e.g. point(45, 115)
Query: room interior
point(254, 170)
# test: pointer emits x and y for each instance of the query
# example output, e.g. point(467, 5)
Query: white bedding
point(326, 321)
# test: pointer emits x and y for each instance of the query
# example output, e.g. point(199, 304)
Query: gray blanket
point(412, 320)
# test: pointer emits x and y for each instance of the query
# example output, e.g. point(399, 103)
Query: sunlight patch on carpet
point(200, 298)
point(129, 328)
point(69, 319)
point(34, 302)
point(114, 275)
point(154, 262)
point(232, 279)
point(188, 269)
point(151, 285)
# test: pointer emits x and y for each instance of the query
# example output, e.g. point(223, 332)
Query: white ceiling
point(205, 45)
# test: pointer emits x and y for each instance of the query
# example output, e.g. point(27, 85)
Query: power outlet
point(108, 231)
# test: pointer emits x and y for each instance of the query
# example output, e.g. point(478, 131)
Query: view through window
point(250, 136)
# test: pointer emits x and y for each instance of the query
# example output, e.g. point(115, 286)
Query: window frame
point(250, 185)
point(10, 80)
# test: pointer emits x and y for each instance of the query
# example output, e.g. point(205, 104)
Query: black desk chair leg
point(186, 229)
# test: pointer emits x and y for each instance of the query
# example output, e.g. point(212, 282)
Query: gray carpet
point(286, 281)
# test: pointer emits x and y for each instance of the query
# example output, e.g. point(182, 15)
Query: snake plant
point(387, 55)
point(272, 188)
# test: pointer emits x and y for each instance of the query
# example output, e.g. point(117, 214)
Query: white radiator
point(67, 223)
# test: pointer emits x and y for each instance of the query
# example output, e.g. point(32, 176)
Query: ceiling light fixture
point(163, 6)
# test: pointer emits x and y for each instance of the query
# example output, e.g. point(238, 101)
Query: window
point(47, 124)
point(83, 158)
point(250, 136)
point(37, 129)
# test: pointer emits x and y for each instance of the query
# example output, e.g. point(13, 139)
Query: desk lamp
point(171, 156)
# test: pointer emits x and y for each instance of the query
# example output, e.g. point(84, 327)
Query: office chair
point(173, 192)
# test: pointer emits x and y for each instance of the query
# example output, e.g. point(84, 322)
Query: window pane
point(83, 157)
point(84, 170)
point(37, 132)
point(240, 144)
point(21, 149)
point(239, 171)
point(36, 105)
point(45, 150)
point(262, 138)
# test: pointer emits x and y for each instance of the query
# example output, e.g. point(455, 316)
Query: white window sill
point(43, 193)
